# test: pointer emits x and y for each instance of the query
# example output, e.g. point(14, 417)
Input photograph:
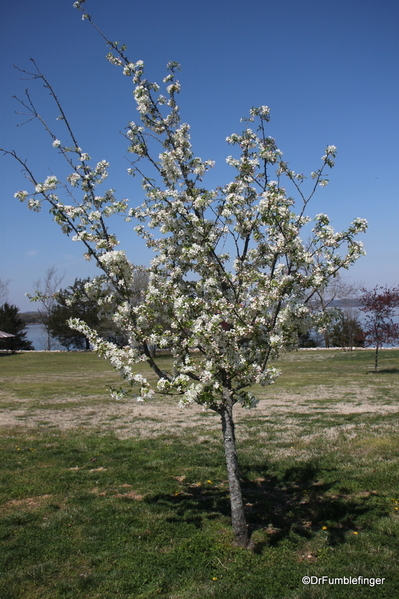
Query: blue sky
point(329, 72)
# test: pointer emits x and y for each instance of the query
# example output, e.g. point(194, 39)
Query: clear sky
point(328, 70)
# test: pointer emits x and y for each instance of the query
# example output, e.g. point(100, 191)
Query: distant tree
point(73, 302)
point(45, 293)
point(82, 300)
point(380, 305)
point(347, 332)
point(3, 290)
point(325, 300)
point(10, 322)
point(307, 340)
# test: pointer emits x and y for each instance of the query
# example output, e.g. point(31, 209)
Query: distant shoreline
point(30, 317)
point(57, 351)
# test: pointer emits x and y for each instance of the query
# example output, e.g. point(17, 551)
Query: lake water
point(36, 333)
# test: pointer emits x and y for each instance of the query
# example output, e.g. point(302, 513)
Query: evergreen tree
point(347, 332)
point(73, 302)
point(11, 322)
point(76, 302)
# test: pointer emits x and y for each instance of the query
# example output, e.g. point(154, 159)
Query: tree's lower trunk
point(240, 527)
point(376, 359)
point(327, 339)
point(48, 341)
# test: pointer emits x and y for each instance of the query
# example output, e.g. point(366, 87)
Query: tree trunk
point(240, 527)
point(376, 359)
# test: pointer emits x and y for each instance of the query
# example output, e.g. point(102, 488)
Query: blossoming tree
point(380, 306)
point(231, 275)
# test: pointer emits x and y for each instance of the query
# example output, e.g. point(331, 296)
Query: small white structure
point(5, 335)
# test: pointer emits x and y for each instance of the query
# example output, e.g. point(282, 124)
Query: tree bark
point(239, 524)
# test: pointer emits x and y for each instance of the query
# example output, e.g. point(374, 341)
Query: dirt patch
point(117, 493)
point(27, 504)
point(130, 495)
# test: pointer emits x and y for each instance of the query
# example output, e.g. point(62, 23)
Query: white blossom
point(21, 195)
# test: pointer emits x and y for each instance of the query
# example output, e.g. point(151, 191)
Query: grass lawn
point(102, 499)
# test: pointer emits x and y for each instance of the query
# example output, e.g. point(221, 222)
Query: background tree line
point(79, 300)
point(343, 303)
point(355, 317)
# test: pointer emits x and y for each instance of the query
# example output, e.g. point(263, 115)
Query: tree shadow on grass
point(195, 503)
point(297, 503)
point(385, 371)
point(4, 353)
point(301, 503)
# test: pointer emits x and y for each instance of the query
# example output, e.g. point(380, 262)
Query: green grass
point(86, 513)
point(48, 375)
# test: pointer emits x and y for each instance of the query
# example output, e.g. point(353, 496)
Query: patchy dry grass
point(318, 391)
